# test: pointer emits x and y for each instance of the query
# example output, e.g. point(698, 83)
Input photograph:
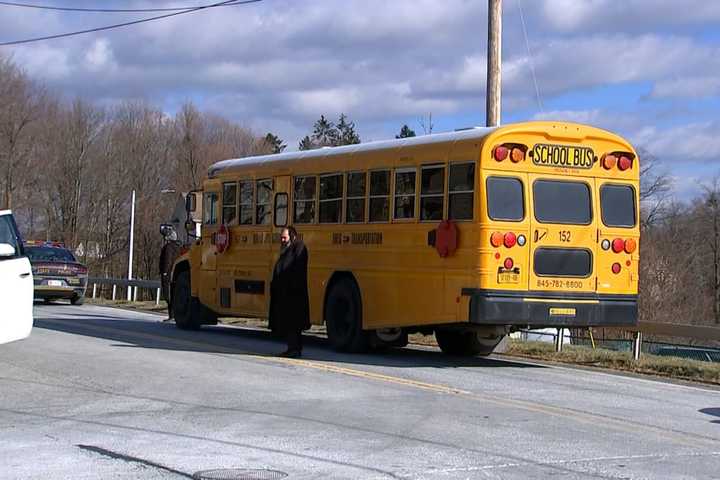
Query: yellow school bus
point(469, 235)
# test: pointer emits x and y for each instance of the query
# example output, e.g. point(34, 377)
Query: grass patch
point(672, 367)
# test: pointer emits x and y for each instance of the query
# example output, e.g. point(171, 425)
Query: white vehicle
point(16, 283)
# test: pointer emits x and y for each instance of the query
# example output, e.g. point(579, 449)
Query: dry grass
point(672, 367)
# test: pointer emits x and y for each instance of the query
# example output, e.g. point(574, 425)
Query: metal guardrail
point(694, 332)
point(133, 285)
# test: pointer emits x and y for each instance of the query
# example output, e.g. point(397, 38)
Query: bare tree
point(655, 188)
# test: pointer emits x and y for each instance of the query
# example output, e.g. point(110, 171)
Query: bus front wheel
point(344, 317)
point(185, 310)
point(467, 342)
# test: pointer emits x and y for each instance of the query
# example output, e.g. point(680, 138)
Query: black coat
point(289, 302)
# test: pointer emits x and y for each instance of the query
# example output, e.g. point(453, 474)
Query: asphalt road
point(100, 393)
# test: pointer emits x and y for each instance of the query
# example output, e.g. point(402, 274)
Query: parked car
point(16, 283)
point(58, 274)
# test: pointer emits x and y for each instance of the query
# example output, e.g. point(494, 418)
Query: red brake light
point(616, 268)
point(500, 153)
point(510, 240)
point(609, 161)
point(618, 245)
point(624, 163)
point(508, 264)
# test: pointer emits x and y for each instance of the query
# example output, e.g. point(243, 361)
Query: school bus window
point(246, 202)
point(304, 199)
point(505, 198)
point(617, 205)
point(405, 193)
point(432, 193)
point(562, 202)
point(210, 209)
point(379, 196)
point(331, 198)
point(461, 191)
point(355, 205)
point(281, 209)
point(264, 197)
point(229, 200)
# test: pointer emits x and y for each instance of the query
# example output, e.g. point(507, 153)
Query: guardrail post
point(559, 339)
point(94, 290)
point(114, 291)
point(637, 345)
point(157, 297)
point(134, 297)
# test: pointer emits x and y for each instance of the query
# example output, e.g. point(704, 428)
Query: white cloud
point(99, 58)
point(687, 87)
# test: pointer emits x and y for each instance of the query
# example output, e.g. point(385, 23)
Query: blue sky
point(647, 69)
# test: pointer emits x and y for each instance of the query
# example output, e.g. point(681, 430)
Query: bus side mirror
point(190, 202)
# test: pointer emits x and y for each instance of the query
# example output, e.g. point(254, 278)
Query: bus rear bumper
point(546, 309)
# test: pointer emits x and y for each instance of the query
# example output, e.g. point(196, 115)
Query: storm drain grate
point(239, 474)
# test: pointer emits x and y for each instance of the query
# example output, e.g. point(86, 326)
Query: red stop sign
point(222, 238)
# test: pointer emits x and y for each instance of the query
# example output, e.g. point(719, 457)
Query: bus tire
point(466, 342)
point(344, 317)
point(185, 307)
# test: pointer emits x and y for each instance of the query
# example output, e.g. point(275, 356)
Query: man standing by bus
point(289, 301)
point(168, 254)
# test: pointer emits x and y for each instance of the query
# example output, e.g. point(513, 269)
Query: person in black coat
point(289, 301)
point(168, 254)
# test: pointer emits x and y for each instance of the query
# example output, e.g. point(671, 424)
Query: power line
point(530, 58)
point(125, 24)
point(103, 10)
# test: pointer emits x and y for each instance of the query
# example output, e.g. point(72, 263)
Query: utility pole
point(130, 260)
point(493, 93)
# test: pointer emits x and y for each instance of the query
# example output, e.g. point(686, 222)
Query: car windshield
point(49, 254)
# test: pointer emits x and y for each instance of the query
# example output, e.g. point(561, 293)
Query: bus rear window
point(617, 205)
point(562, 202)
point(505, 199)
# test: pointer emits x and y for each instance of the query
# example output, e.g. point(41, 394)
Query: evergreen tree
point(274, 144)
point(324, 133)
point(306, 144)
point(405, 132)
point(346, 132)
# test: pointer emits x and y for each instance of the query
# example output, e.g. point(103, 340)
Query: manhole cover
point(239, 474)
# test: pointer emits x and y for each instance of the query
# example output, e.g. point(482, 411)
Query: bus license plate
point(508, 277)
point(567, 312)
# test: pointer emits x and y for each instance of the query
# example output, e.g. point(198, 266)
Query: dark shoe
point(290, 354)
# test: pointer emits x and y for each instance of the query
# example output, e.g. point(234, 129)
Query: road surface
point(102, 393)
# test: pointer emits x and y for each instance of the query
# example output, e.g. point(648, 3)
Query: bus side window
point(246, 202)
point(210, 211)
point(281, 209)
point(405, 193)
point(355, 206)
point(229, 203)
point(432, 193)
point(263, 200)
point(461, 191)
point(331, 194)
point(379, 196)
point(304, 199)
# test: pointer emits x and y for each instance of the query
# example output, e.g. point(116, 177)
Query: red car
point(57, 273)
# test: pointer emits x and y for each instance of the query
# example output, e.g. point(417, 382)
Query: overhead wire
point(125, 24)
point(103, 10)
point(530, 58)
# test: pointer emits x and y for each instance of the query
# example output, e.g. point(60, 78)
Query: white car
point(16, 283)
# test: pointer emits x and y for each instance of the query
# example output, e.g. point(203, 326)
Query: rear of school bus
point(559, 228)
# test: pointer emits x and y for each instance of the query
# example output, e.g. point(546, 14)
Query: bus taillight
point(500, 153)
point(508, 264)
point(510, 239)
point(630, 245)
point(616, 268)
point(624, 163)
point(496, 239)
point(517, 155)
point(618, 245)
point(609, 161)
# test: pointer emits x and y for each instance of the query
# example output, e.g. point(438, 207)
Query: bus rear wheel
point(467, 342)
point(343, 313)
